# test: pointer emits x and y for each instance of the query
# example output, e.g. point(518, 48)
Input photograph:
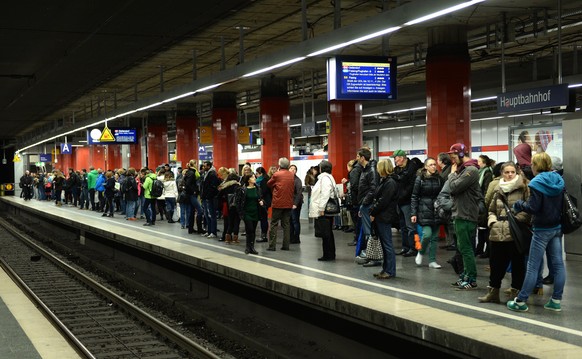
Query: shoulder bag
point(520, 232)
point(374, 249)
point(570, 216)
point(332, 207)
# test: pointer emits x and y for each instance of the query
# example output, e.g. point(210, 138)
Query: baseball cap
point(458, 148)
point(398, 153)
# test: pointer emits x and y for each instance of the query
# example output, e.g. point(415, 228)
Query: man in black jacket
point(353, 180)
point(26, 182)
point(405, 175)
point(297, 204)
point(209, 196)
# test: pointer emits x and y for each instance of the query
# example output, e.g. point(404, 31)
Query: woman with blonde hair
point(545, 205)
point(383, 212)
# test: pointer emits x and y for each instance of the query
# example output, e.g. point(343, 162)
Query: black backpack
point(157, 188)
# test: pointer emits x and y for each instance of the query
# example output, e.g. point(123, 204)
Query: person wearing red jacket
point(282, 185)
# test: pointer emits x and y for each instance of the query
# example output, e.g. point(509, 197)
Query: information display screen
point(121, 135)
point(361, 78)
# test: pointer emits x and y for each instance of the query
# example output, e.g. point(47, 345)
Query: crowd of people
point(470, 198)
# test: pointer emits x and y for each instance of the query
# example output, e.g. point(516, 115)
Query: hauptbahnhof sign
point(533, 99)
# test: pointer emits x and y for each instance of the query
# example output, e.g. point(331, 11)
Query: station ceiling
point(66, 63)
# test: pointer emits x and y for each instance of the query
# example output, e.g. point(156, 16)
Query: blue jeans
point(149, 210)
point(552, 240)
point(194, 205)
point(385, 235)
point(408, 238)
point(84, 198)
point(210, 215)
point(130, 209)
point(366, 222)
point(295, 224)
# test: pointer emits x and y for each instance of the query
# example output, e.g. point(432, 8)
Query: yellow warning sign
point(16, 158)
point(106, 135)
point(9, 186)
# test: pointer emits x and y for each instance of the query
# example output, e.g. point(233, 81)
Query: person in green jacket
point(91, 180)
point(150, 214)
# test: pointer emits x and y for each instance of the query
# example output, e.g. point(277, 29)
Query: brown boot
point(491, 297)
point(227, 238)
point(511, 292)
point(235, 238)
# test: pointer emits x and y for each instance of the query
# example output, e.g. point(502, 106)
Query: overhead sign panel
point(533, 99)
point(114, 135)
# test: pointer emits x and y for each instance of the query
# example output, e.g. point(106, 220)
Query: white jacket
point(170, 189)
point(320, 193)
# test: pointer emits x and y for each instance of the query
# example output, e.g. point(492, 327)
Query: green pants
point(465, 238)
point(430, 237)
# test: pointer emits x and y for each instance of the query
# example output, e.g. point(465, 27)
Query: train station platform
point(418, 303)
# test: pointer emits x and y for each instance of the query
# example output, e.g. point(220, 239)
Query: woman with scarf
point(511, 188)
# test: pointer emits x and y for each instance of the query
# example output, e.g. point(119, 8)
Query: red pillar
point(225, 137)
point(114, 157)
point(97, 156)
point(82, 158)
point(274, 112)
point(448, 91)
point(186, 139)
point(135, 159)
point(157, 142)
point(345, 137)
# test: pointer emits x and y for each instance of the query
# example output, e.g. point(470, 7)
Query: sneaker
point(212, 235)
point(361, 260)
point(459, 281)
point(434, 265)
point(517, 306)
point(552, 304)
point(418, 259)
point(467, 285)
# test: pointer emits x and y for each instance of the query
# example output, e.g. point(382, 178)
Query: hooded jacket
point(424, 193)
point(545, 201)
point(92, 179)
point(148, 183)
point(465, 191)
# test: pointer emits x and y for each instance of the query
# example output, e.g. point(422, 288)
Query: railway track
point(98, 322)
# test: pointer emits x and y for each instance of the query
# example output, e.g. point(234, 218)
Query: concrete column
point(345, 137)
point(274, 112)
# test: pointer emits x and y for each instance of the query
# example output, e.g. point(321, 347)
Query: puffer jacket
point(497, 220)
point(424, 193)
point(405, 177)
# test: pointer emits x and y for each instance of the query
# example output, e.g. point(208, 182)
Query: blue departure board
point(362, 78)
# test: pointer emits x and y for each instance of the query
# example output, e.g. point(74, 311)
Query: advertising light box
point(361, 78)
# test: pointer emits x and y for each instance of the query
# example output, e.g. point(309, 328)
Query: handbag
point(319, 226)
point(183, 197)
point(520, 232)
point(570, 216)
point(332, 207)
point(374, 249)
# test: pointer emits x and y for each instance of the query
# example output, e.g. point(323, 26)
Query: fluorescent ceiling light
point(443, 12)
point(484, 99)
point(355, 41)
point(295, 125)
point(574, 86)
point(171, 141)
point(487, 118)
point(179, 97)
point(525, 114)
point(374, 130)
point(373, 114)
point(208, 87)
point(266, 69)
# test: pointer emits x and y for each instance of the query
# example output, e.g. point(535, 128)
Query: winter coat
point(405, 177)
point(323, 189)
point(109, 187)
point(367, 184)
point(240, 200)
point(465, 190)
point(384, 207)
point(59, 182)
point(92, 179)
point(131, 187)
point(266, 193)
point(497, 220)
point(545, 201)
point(298, 192)
point(424, 193)
point(170, 189)
point(99, 184)
point(191, 182)
point(227, 188)
point(354, 181)
point(210, 184)
point(282, 186)
point(148, 183)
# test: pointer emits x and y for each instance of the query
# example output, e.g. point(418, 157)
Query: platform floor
point(417, 296)
point(24, 332)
